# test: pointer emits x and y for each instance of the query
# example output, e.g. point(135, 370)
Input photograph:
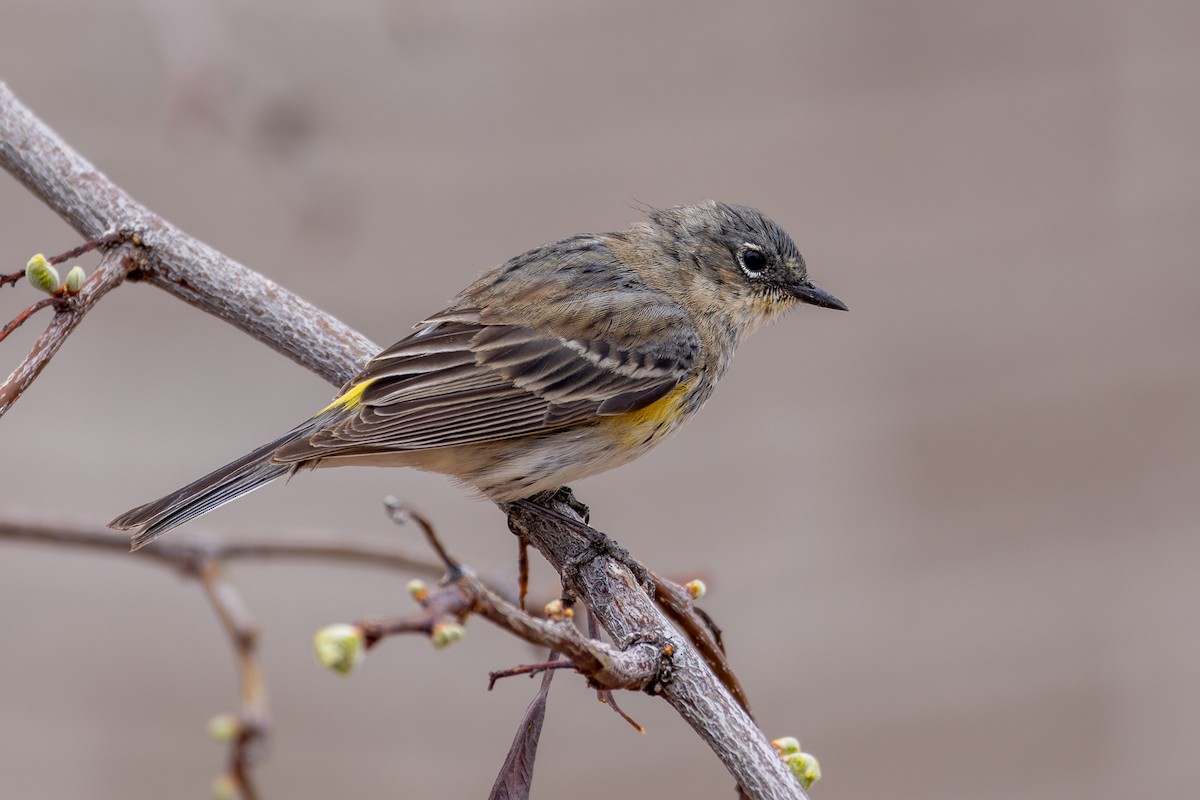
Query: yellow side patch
point(654, 420)
point(349, 398)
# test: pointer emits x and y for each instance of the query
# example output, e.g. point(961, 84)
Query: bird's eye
point(752, 260)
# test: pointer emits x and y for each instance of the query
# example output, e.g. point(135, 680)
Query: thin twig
point(19, 319)
point(676, 603)
point(449, 601)
point(242, 632)
point(199, 556)
point(401, 513)
point(196, 545)
point(361, 554)
point(527, 669)
point(607, 696)
point(111, 272)
point(101, 242)
point(636, 666)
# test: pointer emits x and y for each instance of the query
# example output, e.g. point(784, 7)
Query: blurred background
point(951, 535)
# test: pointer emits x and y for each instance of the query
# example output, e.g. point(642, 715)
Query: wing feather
point(471, 374)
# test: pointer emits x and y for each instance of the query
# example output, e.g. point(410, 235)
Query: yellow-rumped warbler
point(569, 360)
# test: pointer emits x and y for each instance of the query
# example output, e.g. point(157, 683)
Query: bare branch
point(94, 206)
point(20, 319)
point(198, 556)
point(62, 300)
point(629, 615)
point(191, 546)
point(242, 631)
point(677, 604)
point(528, 669)
point(104, 242)
point(637, 666)
point(112, 270)
point(607, 696)
point(400, 513)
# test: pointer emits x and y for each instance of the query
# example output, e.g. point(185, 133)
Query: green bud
point(225, 788)
point(75, 279)
point(42, 274)
point(340, 648)
point(786, 745)
point(445, 634)
point(418, 590)
point(224, 728)
point(805, 767)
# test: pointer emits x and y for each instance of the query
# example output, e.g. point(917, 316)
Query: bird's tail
point(228, 483)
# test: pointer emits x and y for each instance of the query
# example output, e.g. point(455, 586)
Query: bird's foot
point(564, 495)
point(598, 544)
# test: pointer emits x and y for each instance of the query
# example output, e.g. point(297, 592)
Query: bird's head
point(734, 261)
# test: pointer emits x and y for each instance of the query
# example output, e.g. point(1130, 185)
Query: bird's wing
point(468, 376)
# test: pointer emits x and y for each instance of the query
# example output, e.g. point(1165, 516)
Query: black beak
point(809, 292)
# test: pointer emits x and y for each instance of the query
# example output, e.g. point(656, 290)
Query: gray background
point(951, 535)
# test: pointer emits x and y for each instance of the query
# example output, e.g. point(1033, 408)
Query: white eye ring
point(752, 260)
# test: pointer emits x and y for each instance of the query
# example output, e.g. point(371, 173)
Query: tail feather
point(228, 483)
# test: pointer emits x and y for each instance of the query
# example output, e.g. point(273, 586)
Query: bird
point(566, 361)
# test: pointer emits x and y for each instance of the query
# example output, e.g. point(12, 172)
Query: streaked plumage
point(568, 360)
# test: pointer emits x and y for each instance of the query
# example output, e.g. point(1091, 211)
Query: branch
point(629, 615)
point(638, 666)
point(676, 603)
point(193, 546)
point(461, 593)
point(112, 271)
point(176, 263)
point(201, 276)
point(242, 631)
point(200, 556)
point(21, 318)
